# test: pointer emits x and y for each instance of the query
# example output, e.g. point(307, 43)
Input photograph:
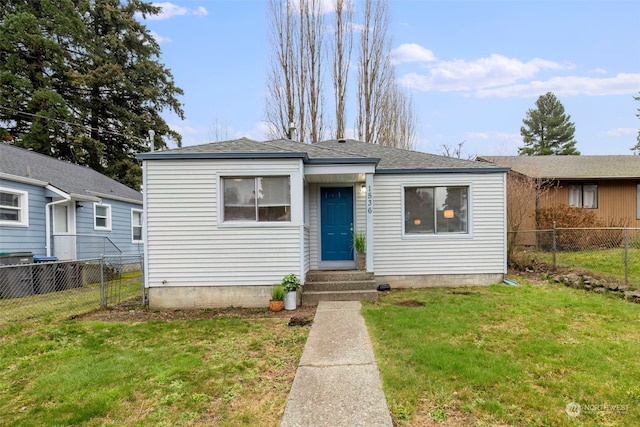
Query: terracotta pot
point(276, 305)
point(361, 261)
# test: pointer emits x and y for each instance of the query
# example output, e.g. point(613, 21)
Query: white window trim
point(108, 227)
point(141, 212)
point(23, 208)
point(220, 211)
point(457, 235)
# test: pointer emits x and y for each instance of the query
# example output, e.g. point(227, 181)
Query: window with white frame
point(436, 210)
point(101, 217)
point(136, 225)
point(256, 199)
point(583, 196)
point(14, 207)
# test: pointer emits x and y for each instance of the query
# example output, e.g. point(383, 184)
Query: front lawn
point(205, 368)
point(504, 355)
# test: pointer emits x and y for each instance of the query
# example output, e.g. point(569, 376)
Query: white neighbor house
point(429, 220)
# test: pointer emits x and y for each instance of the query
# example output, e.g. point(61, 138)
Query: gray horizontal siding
point(187, 246)
point(481, 251)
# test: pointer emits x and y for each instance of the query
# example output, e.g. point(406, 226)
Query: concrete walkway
point(337, 382)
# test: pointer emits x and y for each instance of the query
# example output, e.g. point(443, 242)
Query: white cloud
point(325, 6)
point(160, 39)
point(462, 75)
point(411, 52)
point(622, 131)
point(170, 10)
point(621, 84)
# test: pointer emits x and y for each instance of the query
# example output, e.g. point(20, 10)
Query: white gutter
point(47, 216)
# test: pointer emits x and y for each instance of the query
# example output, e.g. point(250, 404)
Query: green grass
point(224, 371)
point(70, 302)
point(608, 263)
point(507, 355)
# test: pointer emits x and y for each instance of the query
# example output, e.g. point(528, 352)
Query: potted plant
point(277, 298)
point(291, 284)
point(359, 245)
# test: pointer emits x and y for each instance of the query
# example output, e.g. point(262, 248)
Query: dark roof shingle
point(387, 159)
point(65, 176)
point(570, 167)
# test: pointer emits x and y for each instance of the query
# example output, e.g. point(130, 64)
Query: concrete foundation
point(185, 297)
point(440, 280)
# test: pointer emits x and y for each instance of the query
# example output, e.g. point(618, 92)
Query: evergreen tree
point(36, 41)
point(81, 81)
point(548, 130)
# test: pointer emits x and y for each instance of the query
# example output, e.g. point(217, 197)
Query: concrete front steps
point(339, 285)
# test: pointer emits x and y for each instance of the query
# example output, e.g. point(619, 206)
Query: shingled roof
point(387, 159)
point(570, 167)
point(68, 177)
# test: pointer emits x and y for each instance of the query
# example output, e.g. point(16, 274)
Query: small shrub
point(291, 283)
point(277, 293)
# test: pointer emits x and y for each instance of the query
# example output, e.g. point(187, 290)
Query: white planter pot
point(290, 300)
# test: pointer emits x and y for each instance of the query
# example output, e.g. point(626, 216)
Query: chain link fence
point(609, 253)
point(58, 289)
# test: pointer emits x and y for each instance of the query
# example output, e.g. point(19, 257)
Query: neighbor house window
point(258, 199)
point(136, 225)
point(583, 196)
point(102, 217)
point(637, 201)
point(14, 207)
point(436, 210)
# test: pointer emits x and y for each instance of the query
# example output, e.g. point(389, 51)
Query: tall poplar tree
point(547, 129)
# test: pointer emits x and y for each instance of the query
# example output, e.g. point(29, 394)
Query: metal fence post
point(554, 245)
point(626, 257)
point(103, 294)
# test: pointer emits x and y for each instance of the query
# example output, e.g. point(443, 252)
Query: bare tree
point(282, 103)
point(450, 151)
point(311, 52)
point(385, 112)
point(342, 45)
point(296, 78)
point(522, 207)
point(374, 68)
point(295, 84)
point(397, 121)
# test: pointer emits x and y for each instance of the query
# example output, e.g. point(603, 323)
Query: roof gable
point(65, 176)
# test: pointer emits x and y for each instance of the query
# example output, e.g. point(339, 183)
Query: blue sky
point(473, 68)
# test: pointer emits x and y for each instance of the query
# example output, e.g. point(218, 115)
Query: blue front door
point(336, 219)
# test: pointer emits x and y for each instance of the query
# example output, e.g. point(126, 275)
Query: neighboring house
point(609, 186)
point(57, 209)
point(227, 220)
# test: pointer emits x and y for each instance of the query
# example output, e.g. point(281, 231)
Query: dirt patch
point(409, 303)
point(134, 311)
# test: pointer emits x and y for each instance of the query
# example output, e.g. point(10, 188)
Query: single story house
point(608, 186)
point(226, 221)
point(53, 208)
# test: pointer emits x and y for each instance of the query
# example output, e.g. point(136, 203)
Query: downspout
point(47, 222)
